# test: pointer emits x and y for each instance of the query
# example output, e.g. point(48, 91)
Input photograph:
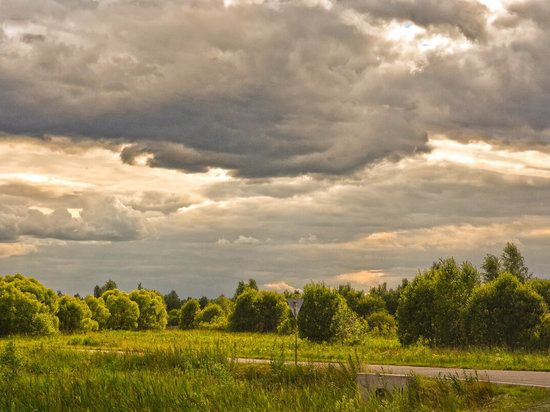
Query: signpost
point(295, 305)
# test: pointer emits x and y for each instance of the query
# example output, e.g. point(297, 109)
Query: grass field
point(197, 378)
point(267, 346)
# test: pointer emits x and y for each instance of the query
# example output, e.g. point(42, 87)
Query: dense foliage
point(26, 306)
point(430, 307)
point(503, 312)
point(74, 314)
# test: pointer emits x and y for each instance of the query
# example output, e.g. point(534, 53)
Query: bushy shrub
point(74, 314)
point(26, 306)
point(124, 312)
point(100, 313)
point(152, 310)
point(381, 323)
point(504, 312)
point(245, 316)
point(188, 313)
point(347, 326)
point(209, 313)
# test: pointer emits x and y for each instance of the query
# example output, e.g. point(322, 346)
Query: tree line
point(449, 304)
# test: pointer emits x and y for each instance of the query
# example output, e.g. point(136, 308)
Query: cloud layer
point(274, 88)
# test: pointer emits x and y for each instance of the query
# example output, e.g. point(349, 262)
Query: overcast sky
point(188, 144)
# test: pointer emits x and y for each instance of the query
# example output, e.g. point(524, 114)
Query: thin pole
point(296, 343)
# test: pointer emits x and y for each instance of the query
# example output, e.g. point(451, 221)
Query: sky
point(189, 144)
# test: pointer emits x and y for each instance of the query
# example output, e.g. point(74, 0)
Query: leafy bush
point(316, 317)
point(209, 313)
point(544, 333)
point(503, 312)
point(245, 316)
point(188, 313)
point(26, 306)
point(347, 326)
point(152, 310)
point(74, 314)
point(100, 313)
point(381, 323)
point(124, 312)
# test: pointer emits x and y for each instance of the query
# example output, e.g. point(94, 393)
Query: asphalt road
point(522, 378)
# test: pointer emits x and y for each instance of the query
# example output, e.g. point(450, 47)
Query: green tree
point(272, 310)
point(227, 304)
point(245, 316)
point(172, 301)
point(188, 313)
point(99, 310)
point(491, 268)
point(74, 314)
point(26, 306)
point(512, 262)
point(347, 326)
point(152, 310)
point(504, 312)
point(316, 317)
point(389, 296)
point(203, 302)
point(242, 286)
point(542, 287)
point(430, 307)
point(124, 312)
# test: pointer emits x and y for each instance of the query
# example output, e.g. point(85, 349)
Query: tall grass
point(191, 378)
point(254, 345)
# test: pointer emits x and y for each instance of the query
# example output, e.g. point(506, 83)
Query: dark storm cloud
point(276, 89)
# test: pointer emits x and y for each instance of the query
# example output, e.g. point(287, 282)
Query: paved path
point(523, 378)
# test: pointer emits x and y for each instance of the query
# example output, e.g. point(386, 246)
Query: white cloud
point(246, 240)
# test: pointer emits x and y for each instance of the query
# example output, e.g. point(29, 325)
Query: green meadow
point(375, 350)
point(195, 370)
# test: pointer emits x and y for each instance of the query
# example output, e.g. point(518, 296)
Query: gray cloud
point(467, 16)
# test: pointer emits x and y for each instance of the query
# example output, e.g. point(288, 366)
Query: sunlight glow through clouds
point(481, 155)
point(363, 277)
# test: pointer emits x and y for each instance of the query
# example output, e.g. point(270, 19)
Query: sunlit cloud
point(363, 277)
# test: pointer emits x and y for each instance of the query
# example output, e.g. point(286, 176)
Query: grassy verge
point(254, 345)
point(184, 378)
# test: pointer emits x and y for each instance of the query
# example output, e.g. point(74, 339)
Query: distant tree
point(491, 267)
point(26, 306)
point(504, 312)
point(203, 302)
point(100, 290)
point(431, 306)
point(59, 293)
point(272, 310)
point(99, 310)
point(124, 312)
point(316, 317)
point(227, 304)
point(172, 301)
point(512, 262)
point(242, 286)
point(152, 310)
point(390, 296)
point(188, 313)
point(74, 314)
